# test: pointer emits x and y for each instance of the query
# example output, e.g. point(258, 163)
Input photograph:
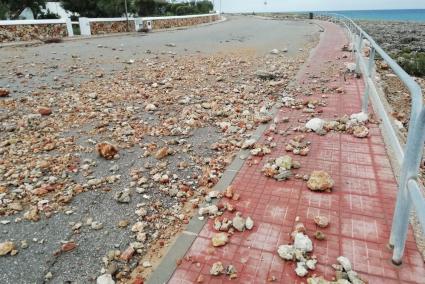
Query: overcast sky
point(315, 5)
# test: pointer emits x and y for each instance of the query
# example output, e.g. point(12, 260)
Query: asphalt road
point(57, 66)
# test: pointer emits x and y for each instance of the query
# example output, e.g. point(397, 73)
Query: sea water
point(416, 15)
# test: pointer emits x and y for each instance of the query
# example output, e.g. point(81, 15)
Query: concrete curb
point(77, 38)
point(167, 266)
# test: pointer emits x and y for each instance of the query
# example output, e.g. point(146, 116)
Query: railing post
point(359, 52)
point(369, 71)
point(409, 170)
point(69, 27)
point(371, 61)
point(85, 29)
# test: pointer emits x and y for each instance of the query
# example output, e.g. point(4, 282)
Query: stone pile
point(12, 33)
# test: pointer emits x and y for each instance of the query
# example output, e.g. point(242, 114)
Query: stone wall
point(182, 22)
point(98, 28)
point(10, 33)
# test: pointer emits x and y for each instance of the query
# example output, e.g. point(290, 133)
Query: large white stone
point(359, 117)
point(301, 270)
point(315, 124)
point(286, 252)
point(105, 279)
point(345, 263)
point(303, 243)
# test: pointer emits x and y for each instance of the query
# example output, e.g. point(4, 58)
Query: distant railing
point(408, 156)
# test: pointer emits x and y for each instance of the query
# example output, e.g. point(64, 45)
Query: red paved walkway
point(360, 207)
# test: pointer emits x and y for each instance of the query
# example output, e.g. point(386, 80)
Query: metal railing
point(408, 156)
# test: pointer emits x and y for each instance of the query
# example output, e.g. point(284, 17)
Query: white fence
point(85, 23)
point(85, 28)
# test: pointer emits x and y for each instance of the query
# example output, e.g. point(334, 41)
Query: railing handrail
point(32, 22)
point(413, 87)
point(410, 190)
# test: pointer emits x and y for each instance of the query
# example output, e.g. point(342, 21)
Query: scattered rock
point(359, 117)
point(217, 269)
point(345, 263)
point(360, 131)
point(280, 168)
point(320, 181)
point(248, 144)
point(219, 239)
point(96, 225)
point(238, 222)
point(106, 150)
point(301, 270)
point(6, 248)
point(150, 107)
point(105, 279)
point(162, 153)
point(4, 92)
point(231, 272)
point(45, 111)
point(319, 235)
point(127, 254)
point(321, 221)
point(146, 264)
point(315, 124)
point(286, 252)
point(311, 264)
point(68, 246)
point(211, 210)
point(249, 223)
point(303, 243)
point(123, 196)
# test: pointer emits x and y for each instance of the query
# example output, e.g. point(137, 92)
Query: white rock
point(345, 263)
point(286, 252)
point(150, 107)
point(311, 264)
point(351, 67)
point(146, 264)
point(238, 223)
point(213, 194)
point(105, 279)
point(249, 223)
point(354, 278)
point(359, 117)
point(303, 243)
point(301, 271)
point(248, 143)
point(398, 124)
point(210, 210)
point(274, 51)
point(315, 124)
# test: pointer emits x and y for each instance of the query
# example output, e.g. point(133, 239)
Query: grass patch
point(412, 62)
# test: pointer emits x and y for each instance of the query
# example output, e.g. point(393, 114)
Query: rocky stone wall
point(182, 22)
point(98, 28)
point(11, 33)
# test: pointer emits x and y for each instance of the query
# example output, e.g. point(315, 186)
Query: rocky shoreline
point(396, 37)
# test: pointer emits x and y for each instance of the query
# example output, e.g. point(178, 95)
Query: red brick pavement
point(360, 206)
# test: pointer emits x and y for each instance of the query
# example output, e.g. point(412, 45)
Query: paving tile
point(360, 206)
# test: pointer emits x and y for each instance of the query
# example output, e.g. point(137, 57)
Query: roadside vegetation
point(13, 8)
point(105, 8)
point(412, 62)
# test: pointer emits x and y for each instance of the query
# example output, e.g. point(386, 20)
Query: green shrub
point(413, 63)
